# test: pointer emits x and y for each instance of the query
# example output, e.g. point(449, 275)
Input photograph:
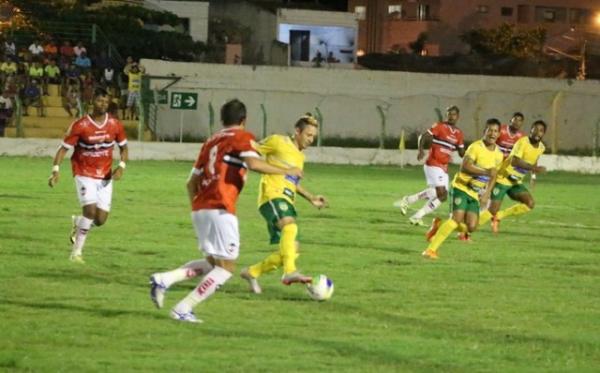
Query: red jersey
point(507, 140)
point(94, 143)
point(446, 139)
point(222, 170)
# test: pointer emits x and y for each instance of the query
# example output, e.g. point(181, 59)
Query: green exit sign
point(184, 100)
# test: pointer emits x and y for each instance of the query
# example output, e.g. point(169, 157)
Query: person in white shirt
point(36, 48)
point(79, 48)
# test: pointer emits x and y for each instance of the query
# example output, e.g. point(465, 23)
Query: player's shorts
point(463, 201)
point(435, 176)
point(217, 232)
point(273, 211)
point(133, 98)
point(92, 191)
point(500, 190)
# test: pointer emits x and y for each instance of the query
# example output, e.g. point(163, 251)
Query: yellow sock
point(445, 230)
point(462, 228)
point(484, 217)
point(270, 263)
point(287, 247)
point(517, 209)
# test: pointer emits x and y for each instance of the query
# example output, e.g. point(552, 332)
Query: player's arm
point(318, 200)
point(423, 140)
point(192, 183)
point(58, 158)
point(124, 153)
point(259, 165)
point(534, 168)
point(468, 166)
point(461, 150)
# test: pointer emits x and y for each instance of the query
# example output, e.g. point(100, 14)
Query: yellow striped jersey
point(483, 158)
point(524, 150)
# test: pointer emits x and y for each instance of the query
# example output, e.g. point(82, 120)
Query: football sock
point(83, 227)
point(428, 193)
point(270, 263)
point(484, 217)
point(445, 230)
point(462, 228)
point(517, 209)
point(186, 271)
point(431, 205)
point(209, 284)
point(287, 247)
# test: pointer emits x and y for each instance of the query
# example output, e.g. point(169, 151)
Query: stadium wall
point(331, 155)
point(351, 100)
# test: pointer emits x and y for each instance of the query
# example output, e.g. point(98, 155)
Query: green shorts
point(273, 211)
point(500, 190)
point(462, 201)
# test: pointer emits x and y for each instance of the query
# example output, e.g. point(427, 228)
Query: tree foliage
point(506, 40)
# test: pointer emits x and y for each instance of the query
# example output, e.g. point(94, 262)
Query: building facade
point(391, 25)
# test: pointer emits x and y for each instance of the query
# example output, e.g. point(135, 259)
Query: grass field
point(526, 300)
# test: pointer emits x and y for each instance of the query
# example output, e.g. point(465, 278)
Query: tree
point(506, 40)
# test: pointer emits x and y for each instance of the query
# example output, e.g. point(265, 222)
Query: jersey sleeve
point(519, 148)
point(268, 145)
point(121, 135)
point(199, 164)
point(472, 153)
point(461, 140)
point(72, 136)
point(245, 145)
point(434, 130)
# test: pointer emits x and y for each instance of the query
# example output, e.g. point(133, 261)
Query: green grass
point(526, 300)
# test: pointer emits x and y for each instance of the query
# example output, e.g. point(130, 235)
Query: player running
point(510, 133)
point(522, 159)
point(276, 200)
point(445, 138)
point(93, 138)
point(214, 185)
point(471, 186)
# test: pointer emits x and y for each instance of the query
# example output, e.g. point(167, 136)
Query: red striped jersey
point(446, 139)
point(93, 145)
point(222, 170)
point(506, 141)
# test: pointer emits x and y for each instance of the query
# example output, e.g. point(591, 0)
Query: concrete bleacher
point(56, 120)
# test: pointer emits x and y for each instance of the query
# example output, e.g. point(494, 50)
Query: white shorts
point(435, 176)
point(217, 232)
point(92, 191)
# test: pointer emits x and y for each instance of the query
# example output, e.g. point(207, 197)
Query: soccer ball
point(321, 288)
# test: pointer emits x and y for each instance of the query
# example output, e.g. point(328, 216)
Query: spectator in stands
point(36, 48)
point(36, 71)
point(50, 49)
point(87, 88)
point(6, 110)
point(318, 60)
point(72, 97)
point(108, 79)
point(72, 72)
point(8, 67)
point(134, 75)
point(66, 50)
point(51, 75)
point(10, 49)
point(79, 49)
point(331, 58)
point(83, 62)
point(32, 96)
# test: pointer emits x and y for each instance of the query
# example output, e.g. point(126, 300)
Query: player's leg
point(221, 246)
point(526, 203)
point(459, 203)
point(496, 198)
point(427, 193)
point(87, 192)
point(438, 179)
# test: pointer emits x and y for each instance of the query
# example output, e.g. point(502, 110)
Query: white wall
point(197, 12)
point(348, 99)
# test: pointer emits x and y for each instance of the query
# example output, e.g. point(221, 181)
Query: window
point(396, 8)
point(361, 12)
point(506, 11)
point(579, 15)
point(423, 12)
point(550, 14)
point(483, 9)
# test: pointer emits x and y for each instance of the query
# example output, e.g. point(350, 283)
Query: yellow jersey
point(280, 151)
point(524, 150)
point(483, 158)
point(135, 81)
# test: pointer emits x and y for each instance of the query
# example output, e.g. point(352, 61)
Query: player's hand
point(53, 179)
point(117, 173)
point(319, 202)
point(420, 155)
point(295, 172)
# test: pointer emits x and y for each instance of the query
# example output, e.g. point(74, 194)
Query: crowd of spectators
point(27, 70)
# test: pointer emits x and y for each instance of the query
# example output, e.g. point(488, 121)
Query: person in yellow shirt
point(522, 160)
point(276, 200)
point(471, 187)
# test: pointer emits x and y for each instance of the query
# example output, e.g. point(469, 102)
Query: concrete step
point(50, 111)
point(47, 133)
point(46, 122)
point(54, 90)
point(55, 101)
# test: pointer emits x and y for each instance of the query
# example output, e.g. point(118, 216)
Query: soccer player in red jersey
point(216, 181)
point(510, 133)
point(444, 138)
point(92, 139)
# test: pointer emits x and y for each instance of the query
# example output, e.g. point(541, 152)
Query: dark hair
point(518, 114)
point(492, 122)
point(453, 108)
point(100, 92)
point(306, 120)
point(541, 123)
point(233, 112)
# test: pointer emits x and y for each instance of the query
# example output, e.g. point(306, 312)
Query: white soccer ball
point(321, 288)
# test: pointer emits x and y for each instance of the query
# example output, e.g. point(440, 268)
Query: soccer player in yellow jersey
point(471, 186)
point(276, 199)
point(522, 160)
